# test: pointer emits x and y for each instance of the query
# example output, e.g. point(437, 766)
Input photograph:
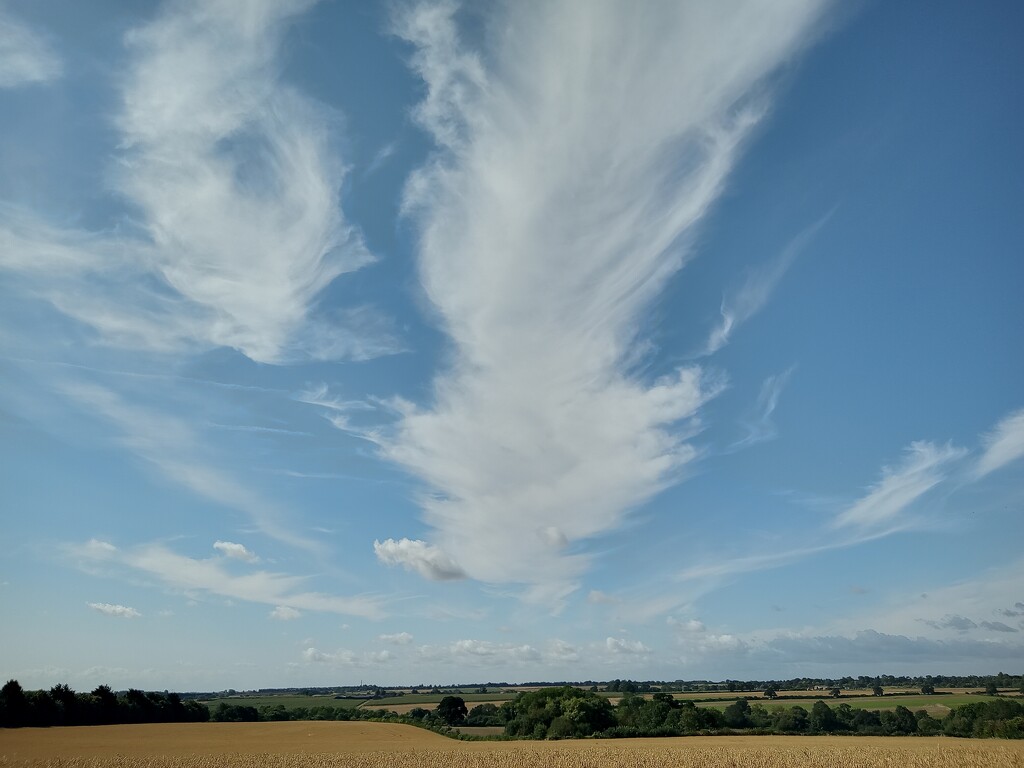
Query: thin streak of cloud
point(543, 241)
point(751, 297)
point(924, 466)
point(171, 446)
point(1004, 444)
point(761, 428)
point(26, 57)
point(210, 576)
point(384, 154)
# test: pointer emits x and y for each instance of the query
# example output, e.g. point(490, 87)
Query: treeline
point(569, 712)
point(62, 706)
point(1001, 680)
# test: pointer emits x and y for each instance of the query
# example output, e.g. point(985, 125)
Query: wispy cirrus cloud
point(232, 182)
point(760, 427)
point(171, 445)
point(575, 163)
point(26, 57)
point(924, 466)
point(750, 298)
point(1004, 444)
point(209, 576)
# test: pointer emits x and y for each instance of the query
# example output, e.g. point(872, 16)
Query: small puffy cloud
point(285, 613)
point(399, 638)
point(561, 651)
point(26, 58)
point(693, 636)
point(620, 645)
point(428, 561)
point(1005, 443)
point(118, 611)
point(235, 551)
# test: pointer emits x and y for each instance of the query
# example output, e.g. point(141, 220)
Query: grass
point(384, 745)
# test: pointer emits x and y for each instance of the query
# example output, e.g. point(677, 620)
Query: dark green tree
point(823, 719)
point(737, 714)
point(14, 708)
point(877, 691)
point(452, 710)
point(770, 693)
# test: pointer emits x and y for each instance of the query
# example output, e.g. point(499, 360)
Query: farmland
point(284, 700)
point(382, 745)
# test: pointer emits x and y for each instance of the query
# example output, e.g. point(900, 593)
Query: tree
point(877, 691)
point(836, 693)
point(991, 689)
point(823, 719)
point(928, 689)
point(14, 708)
point(452, 710)
point(769, 692)
point(737, 715)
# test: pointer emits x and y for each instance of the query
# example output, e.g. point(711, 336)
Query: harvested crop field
point(381, 745)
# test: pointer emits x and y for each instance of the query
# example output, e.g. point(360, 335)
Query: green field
point(434, 698)
point(865, 702)
point(286, 701)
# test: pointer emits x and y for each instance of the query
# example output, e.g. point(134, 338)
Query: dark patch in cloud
point(951, 621)
point(871, 647)
point(997, 626)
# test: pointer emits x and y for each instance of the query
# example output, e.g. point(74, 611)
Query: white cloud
point(399, 638)
point(414, 555)
point(26, 58)
point(461, 649)
point(346, 658)
point(1005, 443)
point(119, 611)
point(209, 576)
point(623, 646)
point(574, 167)
point(285, 613)
point(235, 551)
point(924, 466)
point(761, 427)
point(751, 297)
point(171, 445)
point(237, 225)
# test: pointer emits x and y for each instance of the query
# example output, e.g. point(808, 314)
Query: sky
point(425, 342)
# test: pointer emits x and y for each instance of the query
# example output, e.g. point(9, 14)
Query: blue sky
point(425, 343)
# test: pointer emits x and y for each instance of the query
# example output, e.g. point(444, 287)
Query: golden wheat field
point(381, 745)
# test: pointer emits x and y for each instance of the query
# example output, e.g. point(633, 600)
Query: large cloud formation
point(574, 162)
